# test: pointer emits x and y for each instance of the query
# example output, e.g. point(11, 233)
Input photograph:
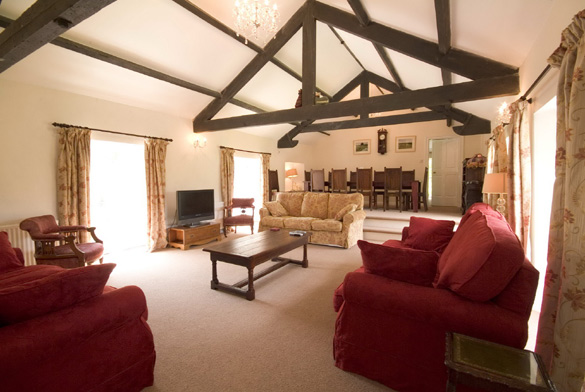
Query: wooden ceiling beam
point(434, 96)
point(458, 61)
point(186, 4)
point(41, 23)
point(309, 56)
point(259, 61)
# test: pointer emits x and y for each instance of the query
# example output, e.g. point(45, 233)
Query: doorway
point(445, 159)
point(118, 194)
point(248, 180)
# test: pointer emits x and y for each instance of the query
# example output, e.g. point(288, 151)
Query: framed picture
point(362, 146)
point(405, 143)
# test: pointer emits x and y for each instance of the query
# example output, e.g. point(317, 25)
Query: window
point(248, 179)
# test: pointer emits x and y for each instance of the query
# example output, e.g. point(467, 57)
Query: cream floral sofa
point(332, 218)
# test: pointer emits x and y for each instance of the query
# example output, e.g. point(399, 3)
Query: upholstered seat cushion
point(326, 225)
point(299, 223)
point(92, 250)
point(480, 261)
point(22, 299)
point(273, 221)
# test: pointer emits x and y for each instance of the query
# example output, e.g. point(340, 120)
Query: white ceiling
point(164, 36)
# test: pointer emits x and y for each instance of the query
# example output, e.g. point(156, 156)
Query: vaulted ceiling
point(378, 62)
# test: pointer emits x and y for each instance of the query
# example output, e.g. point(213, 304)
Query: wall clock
point(382, 138)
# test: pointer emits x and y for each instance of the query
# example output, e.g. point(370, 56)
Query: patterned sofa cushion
point(291, 201)
point(338, 201)
point(315, 205)
point(298, 223)
point(326, 225)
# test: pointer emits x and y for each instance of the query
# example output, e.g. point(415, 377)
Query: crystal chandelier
point(256, 19)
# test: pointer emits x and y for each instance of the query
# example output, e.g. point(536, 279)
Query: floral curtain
point(226, 174)
point(265, 177)
point(73, 177)
point(561, 329)
point(155, 152)
point(520, 173)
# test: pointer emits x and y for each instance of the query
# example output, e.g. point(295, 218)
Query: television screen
point(195, 206)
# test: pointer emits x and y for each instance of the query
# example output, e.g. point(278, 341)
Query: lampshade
point(494, 183)
point(291, 173)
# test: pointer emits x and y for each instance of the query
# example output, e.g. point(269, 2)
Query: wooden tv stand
point(183, 237)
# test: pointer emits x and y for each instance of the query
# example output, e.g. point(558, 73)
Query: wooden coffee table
point(251, 251)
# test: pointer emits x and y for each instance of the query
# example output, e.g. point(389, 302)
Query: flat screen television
point(195, 206)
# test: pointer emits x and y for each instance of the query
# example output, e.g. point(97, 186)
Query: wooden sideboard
point(183, 237)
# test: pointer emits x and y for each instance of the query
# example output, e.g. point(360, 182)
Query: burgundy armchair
point(232, 220)
point(60, 245)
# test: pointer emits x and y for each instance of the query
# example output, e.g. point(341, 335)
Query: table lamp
point(495, 183)
point(290, 174)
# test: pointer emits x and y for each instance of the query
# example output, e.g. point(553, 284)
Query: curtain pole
point(253, 152)
point(114, 132)
point(538, 79)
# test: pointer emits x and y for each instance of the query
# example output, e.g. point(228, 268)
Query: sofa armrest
point(263, 212)
point(405, 230)
point(438, 308)
point(354, 217)
point(35, 341)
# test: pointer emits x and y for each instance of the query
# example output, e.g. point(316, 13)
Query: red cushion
point(404, 264)
point(486, 209)
point(8, 258)
point(26, 299)
point(481, 259)
point(429, 234)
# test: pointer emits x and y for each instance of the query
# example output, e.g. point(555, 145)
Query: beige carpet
point(208, 340)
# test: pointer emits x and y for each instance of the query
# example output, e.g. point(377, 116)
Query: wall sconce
point(199, 141)
point(496, 183)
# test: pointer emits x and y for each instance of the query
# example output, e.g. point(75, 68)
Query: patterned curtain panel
point(561, 330)
point(155, 152)
point(73, 177)
point(226, 173)
point(520, 173)
point(265, 182)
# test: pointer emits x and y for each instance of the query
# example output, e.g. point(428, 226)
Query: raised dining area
point(391, 184)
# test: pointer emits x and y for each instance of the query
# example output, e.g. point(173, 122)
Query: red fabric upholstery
point(404, 264)
point(481, 259)
point(485, 209)
point(8, 258)
point(394, 332)
point(429, 234)
point(100, 343)
point(39, 226)
point(26, 300)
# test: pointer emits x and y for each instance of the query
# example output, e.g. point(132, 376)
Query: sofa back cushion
point(429, 234)
point(481, 259)
point(486, 209)
point(23, 299)
point(8, 258)
point(338, 201)
point(291, 201)
point(315, 205)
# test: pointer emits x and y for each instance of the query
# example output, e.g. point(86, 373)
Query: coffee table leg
point(251, 293)
point(305, 262)
point(214, 280)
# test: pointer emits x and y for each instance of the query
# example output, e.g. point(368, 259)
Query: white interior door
point(446, 172)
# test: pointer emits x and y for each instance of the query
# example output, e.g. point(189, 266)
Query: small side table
point(493, 367)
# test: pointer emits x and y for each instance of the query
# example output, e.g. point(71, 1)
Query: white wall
point(28, 146)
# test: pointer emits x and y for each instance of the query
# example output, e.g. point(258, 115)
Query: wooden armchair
point(60, 245)
point(231, 220)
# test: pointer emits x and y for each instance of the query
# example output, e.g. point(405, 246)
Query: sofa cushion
point(291, 201)
point(344, 211)
point(429, 234)
point(298, 223)
point(315, 205)
point(26, 299)
point(326, 225)
point(480, 260)
point(486, 209)
point(338, 201)
point(413, 266)
point(273, 221)
point(275, 208)
point(8, 258)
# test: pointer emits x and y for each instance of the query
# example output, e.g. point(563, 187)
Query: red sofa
point(64, 330)
point(394, 312)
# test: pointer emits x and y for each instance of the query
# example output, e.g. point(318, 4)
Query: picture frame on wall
point(405, 143)
point(362, 146)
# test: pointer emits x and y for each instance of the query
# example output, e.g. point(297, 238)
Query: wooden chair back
point(338, 180)
point(318, 180)
point(273, 183)
point(352, 181)
point(407, 179)
point(364, 179)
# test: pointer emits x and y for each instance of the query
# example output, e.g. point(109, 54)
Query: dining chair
point(423, 190)
point(352, 184)
point(378, 186)
point(393, 186)
point(364, 183)
point(273, 186)
point(318, 180)
point(407, 179)
point(338, 180)
point(307, 181)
